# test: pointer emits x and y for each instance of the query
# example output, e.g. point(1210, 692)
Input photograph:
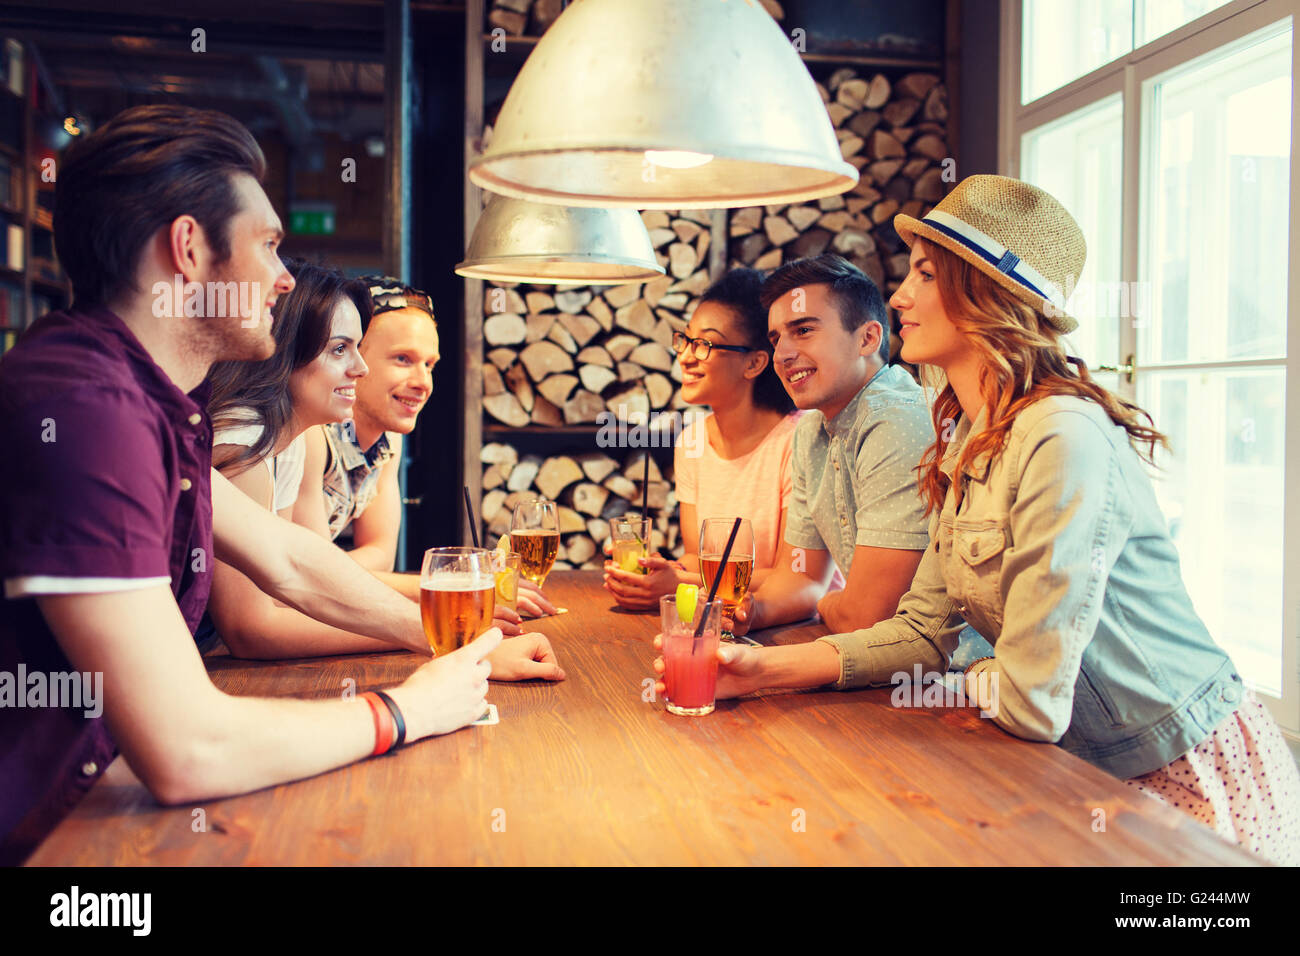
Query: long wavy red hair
point(1022, 361)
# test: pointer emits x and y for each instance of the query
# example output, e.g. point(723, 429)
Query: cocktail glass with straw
point(695, 672)
point(731, 576)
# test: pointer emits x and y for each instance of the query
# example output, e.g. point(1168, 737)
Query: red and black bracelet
point(383, 723)
point(397, 718)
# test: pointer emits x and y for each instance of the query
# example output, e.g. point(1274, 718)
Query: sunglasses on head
point(389, 295)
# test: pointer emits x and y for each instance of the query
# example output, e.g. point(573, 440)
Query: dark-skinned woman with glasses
point(734, 460)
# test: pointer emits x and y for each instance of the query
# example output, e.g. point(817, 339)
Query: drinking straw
point(713, 589)
point(645, 487)
point(473, 524)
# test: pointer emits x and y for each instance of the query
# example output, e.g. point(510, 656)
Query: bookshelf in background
point(31, 281)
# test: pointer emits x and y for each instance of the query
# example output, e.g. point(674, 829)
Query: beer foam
point(458, 581)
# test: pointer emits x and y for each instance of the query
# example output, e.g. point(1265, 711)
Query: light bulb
point(677, 158)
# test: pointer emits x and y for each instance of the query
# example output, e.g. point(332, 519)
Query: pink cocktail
point(690, 664)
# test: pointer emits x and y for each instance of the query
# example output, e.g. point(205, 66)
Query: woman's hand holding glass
point(740, 669)
point(641, 592)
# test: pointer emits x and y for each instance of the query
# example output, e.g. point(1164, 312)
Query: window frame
point(1127, 75)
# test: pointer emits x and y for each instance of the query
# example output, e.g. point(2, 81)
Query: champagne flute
point(535, 536)
point(736, 576)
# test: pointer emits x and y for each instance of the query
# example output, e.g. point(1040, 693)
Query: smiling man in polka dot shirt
point(855, 504)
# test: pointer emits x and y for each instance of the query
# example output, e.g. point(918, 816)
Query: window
point(1154, 18)
point(1078, 160)
point(1065, 39)
point(1174, 155)
point(1214, 244)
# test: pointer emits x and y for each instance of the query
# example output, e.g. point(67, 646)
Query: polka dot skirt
point(1242, 782)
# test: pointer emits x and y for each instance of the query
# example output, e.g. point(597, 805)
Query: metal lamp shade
point(612, 79)
point(520, 241)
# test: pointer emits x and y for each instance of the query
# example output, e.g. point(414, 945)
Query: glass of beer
point(457, 596)
point(740, 564)
point(535, 537)
point(631, 540)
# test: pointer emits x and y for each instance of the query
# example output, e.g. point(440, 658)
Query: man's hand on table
point(448, 692)
point(532, 602)
point(740, 669)
point(507, 620)
point(526, 657)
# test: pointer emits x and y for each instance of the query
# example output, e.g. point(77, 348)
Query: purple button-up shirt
point(107, 477)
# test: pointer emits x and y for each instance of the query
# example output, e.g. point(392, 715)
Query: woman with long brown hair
point(260, 412)
point(1045, 535)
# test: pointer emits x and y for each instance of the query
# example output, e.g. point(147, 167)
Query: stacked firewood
point(590, 356)
point(565, 355)
point(895, 135)
point(520, 17)
point(590, 489)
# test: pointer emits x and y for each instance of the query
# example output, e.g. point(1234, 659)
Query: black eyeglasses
point(701, 348)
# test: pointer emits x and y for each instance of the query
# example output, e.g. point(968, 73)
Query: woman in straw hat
point(1046, 536)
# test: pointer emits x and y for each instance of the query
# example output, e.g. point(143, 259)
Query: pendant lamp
point(675, 104)
point(520, 241)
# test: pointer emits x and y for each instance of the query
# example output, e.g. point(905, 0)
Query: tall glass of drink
point(457, 596)
point(631, 540)
point(535, 537)
point(690, 663)
point(739, 570)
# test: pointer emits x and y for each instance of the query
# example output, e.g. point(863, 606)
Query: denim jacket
point(1059, 555)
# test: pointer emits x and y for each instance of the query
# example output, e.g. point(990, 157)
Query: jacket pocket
point(976, 546)
point(976, 569)
point(1092, 705)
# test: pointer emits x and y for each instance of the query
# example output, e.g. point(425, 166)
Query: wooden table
point(587, 772)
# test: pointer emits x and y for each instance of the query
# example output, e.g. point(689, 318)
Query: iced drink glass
point(690, 664)
point(507, 578)
point(631, 540)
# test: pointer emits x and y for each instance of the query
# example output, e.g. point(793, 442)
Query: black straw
point(645, 488)
point(713, 589)
point(473, 523)
point(645, 475)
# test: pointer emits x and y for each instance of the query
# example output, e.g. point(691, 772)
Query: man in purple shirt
point(107, 504)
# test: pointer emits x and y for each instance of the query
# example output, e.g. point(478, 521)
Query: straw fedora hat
point(1015, 233)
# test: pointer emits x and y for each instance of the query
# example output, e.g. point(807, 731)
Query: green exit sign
point(316, 219)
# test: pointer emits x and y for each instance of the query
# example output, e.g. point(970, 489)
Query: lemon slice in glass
point(507, 587)
point(687, 594)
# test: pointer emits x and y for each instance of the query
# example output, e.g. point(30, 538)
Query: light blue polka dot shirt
point(855, 476)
